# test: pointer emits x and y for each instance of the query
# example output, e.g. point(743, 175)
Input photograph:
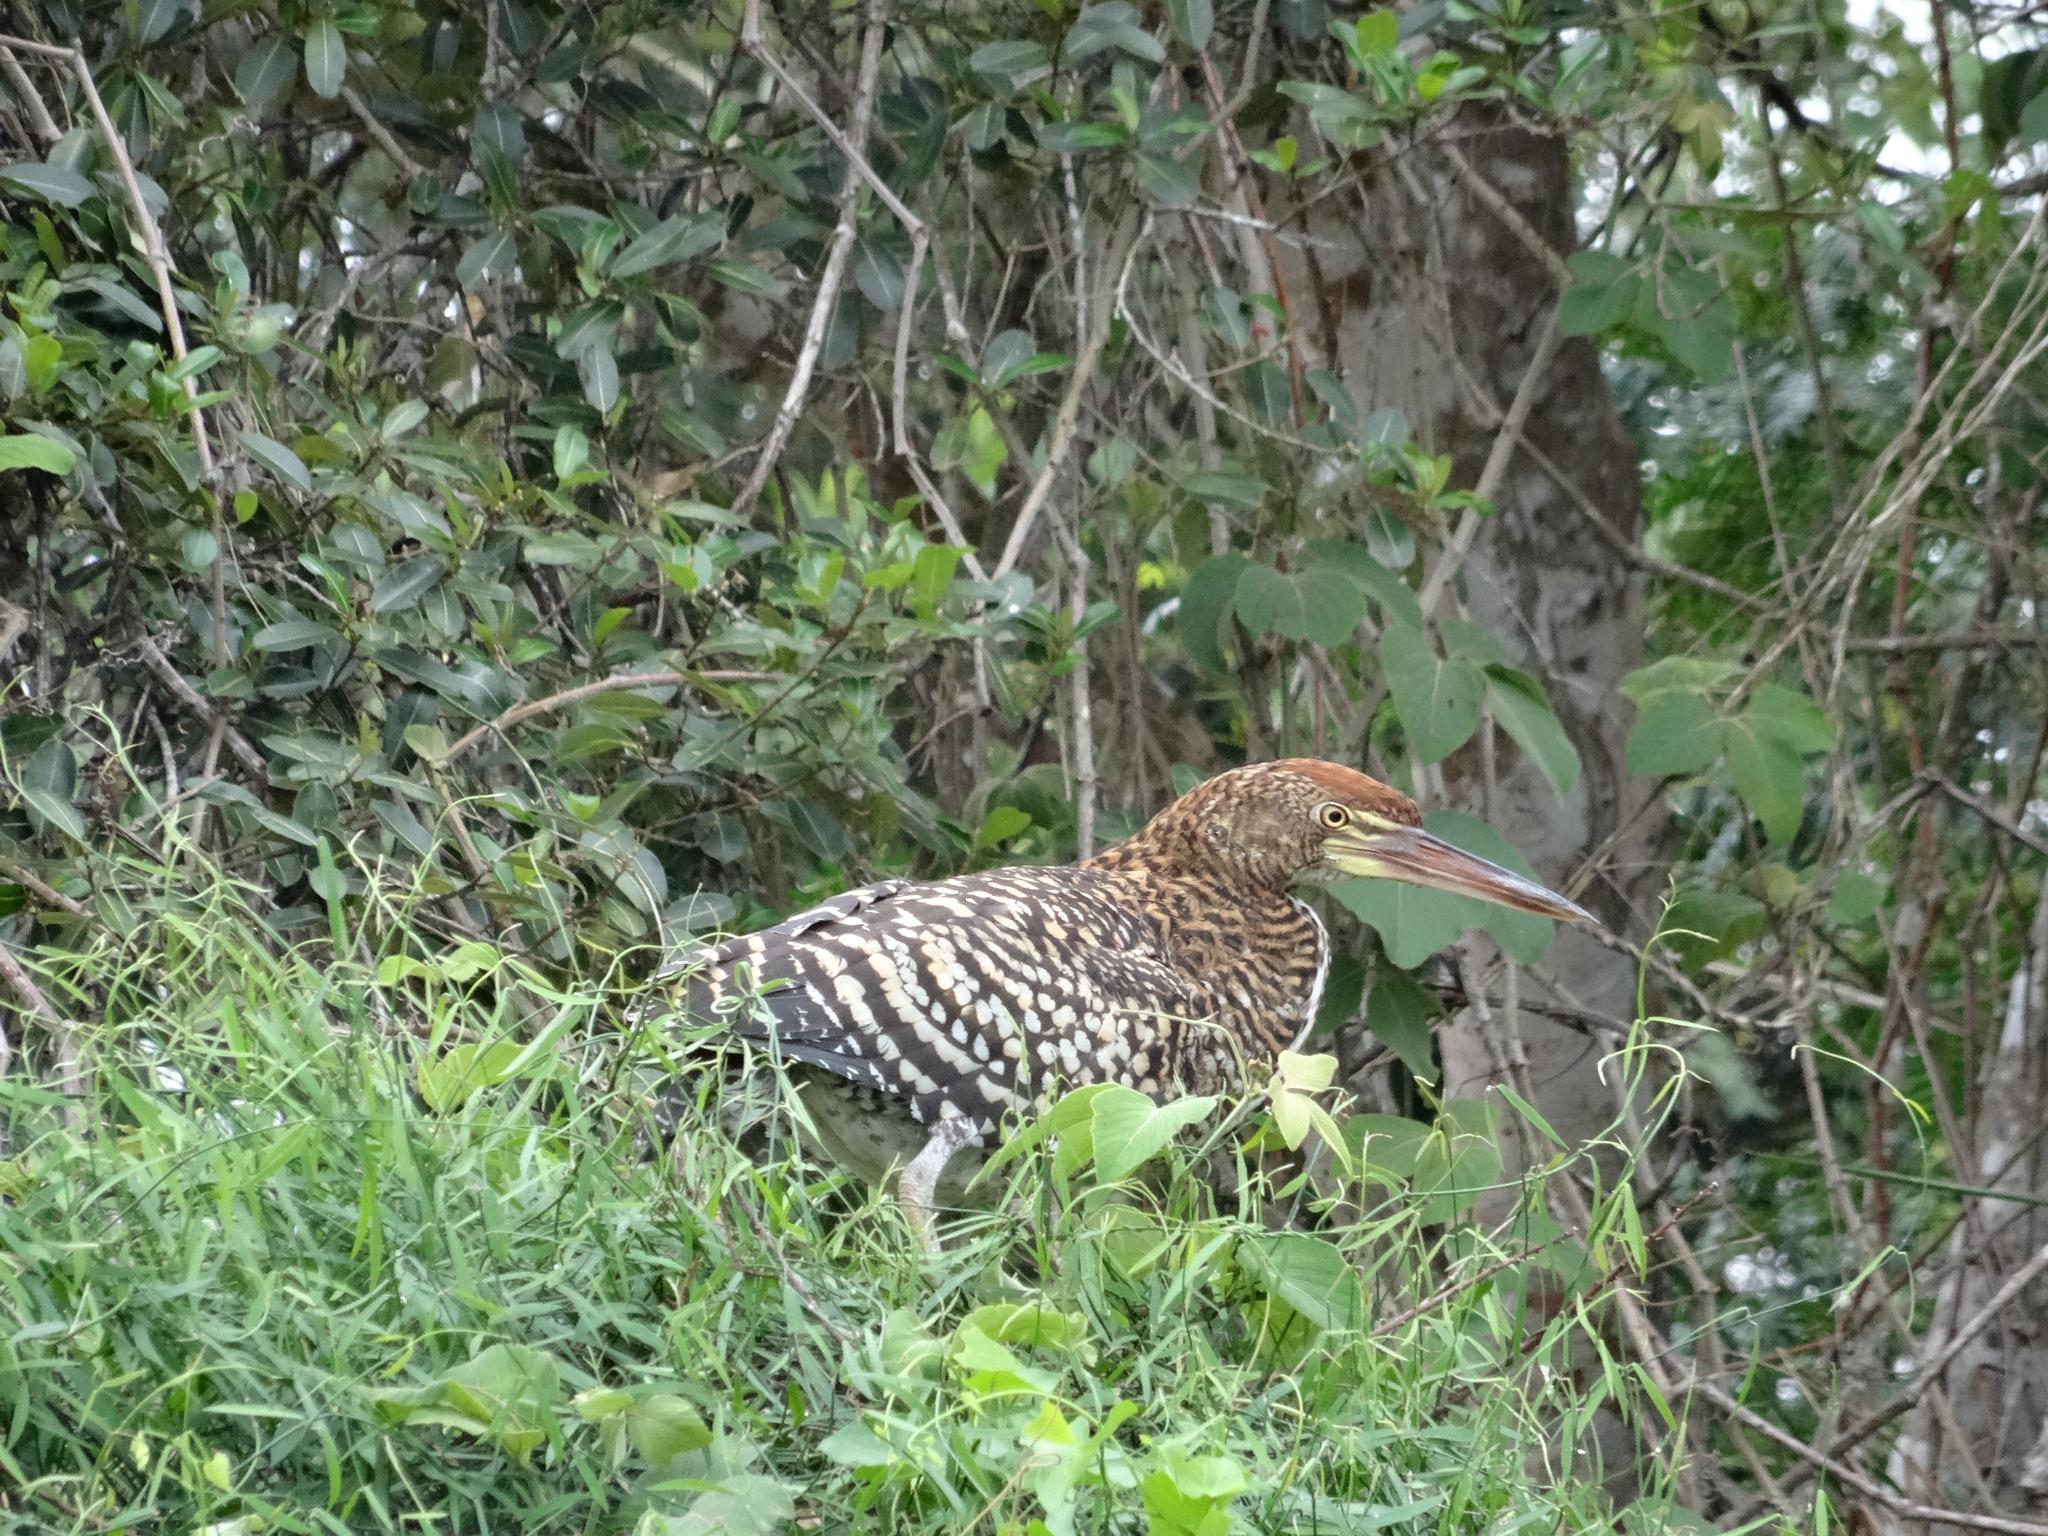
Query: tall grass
point(364, 1232)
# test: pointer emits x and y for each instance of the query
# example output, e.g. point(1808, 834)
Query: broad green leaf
point(1193, 21)
point(1704, 924)
point(1437, 699)
point(1769, 776)
point(1412, 923)
point(1130, 1129)
point(25, 450)
point(49, 786)
point(263, 75)
point(1518, 706)
point(293, 635)
point(1378, 32)
point(1009, 60)
point(493, 255)
point(1309, 1274)
point(1398, 1011)
point(1315, 604)
point(1395, 599)
point(278, 459)
point(1521, 935)
point(1791, 719)
point(600, 373)
point(53, 183)
point(1694, 674)
point(504, 1396)
point(1232, 490)
point(1005, 356)
point(407, 584)
point(1677, 732)
point(1167, 181)
point(672, 240)
point(1415, 922)
point(326, 58)
point(1456, 1164)
point(1206, 603)
point(1856, 898)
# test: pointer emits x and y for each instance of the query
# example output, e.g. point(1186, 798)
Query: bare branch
point(854, 145)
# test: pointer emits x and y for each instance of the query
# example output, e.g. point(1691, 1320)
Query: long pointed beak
point(1416, 857)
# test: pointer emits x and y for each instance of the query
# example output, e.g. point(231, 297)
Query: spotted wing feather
point(965, 997)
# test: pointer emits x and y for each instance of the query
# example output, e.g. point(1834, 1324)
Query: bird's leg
point(917, 1186)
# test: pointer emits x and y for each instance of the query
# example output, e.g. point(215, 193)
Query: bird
point(913, 1017)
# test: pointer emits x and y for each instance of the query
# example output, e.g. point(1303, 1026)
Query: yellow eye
point(1332, 815)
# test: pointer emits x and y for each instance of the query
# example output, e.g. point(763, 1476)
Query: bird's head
point(1280, 824)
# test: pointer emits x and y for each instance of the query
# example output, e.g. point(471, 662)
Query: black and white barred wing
point(966, 997)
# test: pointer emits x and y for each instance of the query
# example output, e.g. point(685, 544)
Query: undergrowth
point(368, 1234)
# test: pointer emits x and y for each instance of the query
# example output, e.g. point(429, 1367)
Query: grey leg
point(919, 1181)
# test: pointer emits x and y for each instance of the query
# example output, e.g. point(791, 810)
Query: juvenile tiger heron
point(914, 1015)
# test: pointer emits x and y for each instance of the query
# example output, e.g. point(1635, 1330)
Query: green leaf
point(504, 1396)
point(1398, 1011)
point(407, 584)
point(1395, 599)
point(1316, 604)
point(1604, 292)
point(1791, 719)
point(672, 240)
point(494, 255)
point(278, 459)
point(326, 58)
point(1130, 1129)
point(49, 785)
point(1677, 732)
point(1231, 490)
point(1170, 182)
point(293, 635)
point(1412, 923)
point(25, 450)
point(1517, 703)
point(1206, 603)
point(1193, 22)
point(1856, 898)
point(1702, 924)
point(599, 371)
point(52, 183)
point(1009, 60)
point(1521, 935)
point(931, 573)
point(1769, 776)
point(263, 75)
point(1378, 32)
point(1437, 699)
point(1312, 1276)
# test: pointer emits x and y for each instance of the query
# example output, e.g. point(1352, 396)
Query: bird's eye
point(1332, 815)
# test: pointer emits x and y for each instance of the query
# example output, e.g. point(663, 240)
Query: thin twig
point(379, 134)
point(1497, 460)
point(1082, 375)
point(40, 122)
point(1843, 1473)
point(847, 230)
point(568, 696)
point(46, 893)
point(192, 699)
